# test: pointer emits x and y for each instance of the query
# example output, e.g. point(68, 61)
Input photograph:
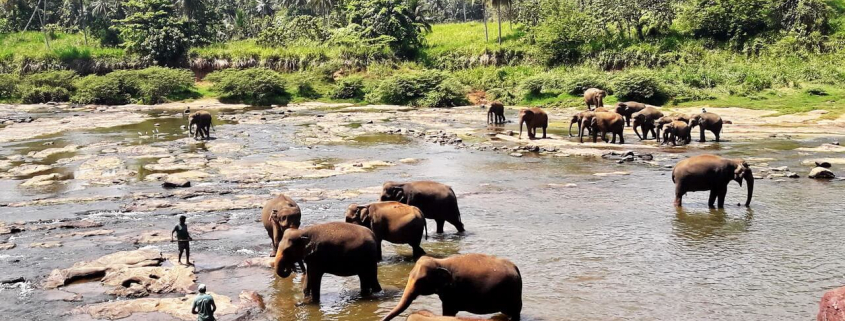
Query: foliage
point(425, 88)
point(349, 88)
point(257, 86)
point(299, 28)
point(389, 19)
point(7, 85)
point(153, 31)
point(61, 79)
point(42, 94)
point(642, 86)
point(734, 20)
point(563, 34)
point(579, 81)
point(147, 86)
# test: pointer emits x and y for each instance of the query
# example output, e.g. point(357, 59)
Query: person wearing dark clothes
point(204, 305)
point(183, 239)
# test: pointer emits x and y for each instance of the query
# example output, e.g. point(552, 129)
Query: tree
point(387, 19)
point(498, 4)
point(152, 30)
point(419, 15)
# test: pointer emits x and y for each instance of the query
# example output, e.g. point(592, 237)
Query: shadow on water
point(709, 223)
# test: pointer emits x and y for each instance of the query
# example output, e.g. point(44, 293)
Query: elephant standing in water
point(645, 119)
point(496, 113)
point(202, 119)
point(279, 215)
point(533, 118)
point(437, 201)
point(475, 283)
point(711, 173)
point(391, 221)
point(601, 123)
point(336, 248)
point(665, 120)
point(677, 131)
point(707, 121)
point(577, 118)
point(594, 98)
point(627, 109)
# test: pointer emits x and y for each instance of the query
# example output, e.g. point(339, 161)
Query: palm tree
point(498, 4)
point(264, 7)
point(191, 6)
point(484, 12)
point(419, 13)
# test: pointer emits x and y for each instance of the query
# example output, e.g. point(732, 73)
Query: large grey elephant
point(437, 201)
point(707, 121)
point(711, 173)
point(533, 118)
point(475, 283)
point(391, 221)
point(628, 108)
point(645, 119)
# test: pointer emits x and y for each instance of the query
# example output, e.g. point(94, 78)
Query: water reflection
point(708, 223)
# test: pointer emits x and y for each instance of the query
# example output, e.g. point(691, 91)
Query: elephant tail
point(425, 226)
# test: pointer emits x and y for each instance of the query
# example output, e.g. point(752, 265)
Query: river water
point(606, 248)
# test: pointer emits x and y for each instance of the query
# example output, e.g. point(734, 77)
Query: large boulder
point(832, 306)
point(175, 182)
point(821, 173)
point(99, 267)
point(141, 281)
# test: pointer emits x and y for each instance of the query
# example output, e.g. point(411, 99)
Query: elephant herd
point(474, 283)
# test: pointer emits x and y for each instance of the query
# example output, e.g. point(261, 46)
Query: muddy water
point(609, 247)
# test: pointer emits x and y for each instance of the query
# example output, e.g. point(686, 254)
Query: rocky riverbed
point(85, 223)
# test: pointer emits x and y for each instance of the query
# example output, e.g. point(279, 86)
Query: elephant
point(576, 120)
point(436, 201)
point(645, 119)
point(707, 121)
point(677, 130)
point(391, 221)
point(627, 109)
point(665, 120)
point(336, 248)
point(603, 123)
point(533, 118)
point(425, 315)
point(279, 215)
point(594, 97)
point(475, 283)
point(202, 119)
point(711, 173)
point(496, 113)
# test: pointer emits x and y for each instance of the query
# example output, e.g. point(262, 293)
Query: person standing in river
point(183, 239)
point(204, 306)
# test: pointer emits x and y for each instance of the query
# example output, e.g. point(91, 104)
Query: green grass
point(784, 101)
point(63, 47)
point(469, 37)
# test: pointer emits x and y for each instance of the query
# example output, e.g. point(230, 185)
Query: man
point(204, 305)
point(184, 239)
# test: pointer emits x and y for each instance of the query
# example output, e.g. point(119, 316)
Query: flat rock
point(42, 180)
point(142, 281)
point(46, 245)
point(29, 169)
point(85, 233)
point(175, 182)
point(425, 315)
point(409, 161)
point(832, 306)
point(821, 173)
point(612, 174)
point(104, 170)
point(515, 154)
point(7, 246)
point(569, 185)
point(52, 151)
point(99, 267)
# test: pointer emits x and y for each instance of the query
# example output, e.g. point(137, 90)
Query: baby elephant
point(677, 131)
point(496, 113)
point(594, 98)
point(336, 248)
point(391, 221)
point(202, 119)
point(475, 283)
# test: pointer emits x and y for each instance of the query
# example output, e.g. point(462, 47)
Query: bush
point(502, 95)
point(641, 86)
point(101, 90)
point(427, 88)
point(147, 86)
point(304, 89)
point(816, 91)
point(578, 83)
point(43, 94)
point(257, 86)
point(540, 84)
point(62, 79)
point(7, 85)
point(349, 88)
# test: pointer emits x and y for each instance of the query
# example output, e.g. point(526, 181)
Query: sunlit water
point(611, 248)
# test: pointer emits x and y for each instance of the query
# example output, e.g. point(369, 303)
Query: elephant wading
point(627, 109)
point(665, 120)
point(594, 98)
point(336, 248)
point(279, 215)
point(391, 221)
point(436, 201)
point(576, 120)
point(645, 119)
point(533, 118)
point(707, 121)
point(602, 123)
point(201, 119)
point(475, 283)
point(677, 131)
point(711, 173)
point(496, 113)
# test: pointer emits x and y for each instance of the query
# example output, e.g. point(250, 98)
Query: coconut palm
point(419, 14)
point(498, 4)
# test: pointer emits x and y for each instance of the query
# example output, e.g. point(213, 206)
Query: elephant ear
point(441, 279)
point(399, 194)
point(364, 215)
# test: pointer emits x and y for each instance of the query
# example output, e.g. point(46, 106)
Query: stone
point(832, 305)
point(425, 315)
point(46, 245)
point(821, 173)
point(179, 307)
point(52, 151)
point(823, 164)
point(516, 154)
point(142, 281)
point(104, 170)
point(85, 233)
point(7, 246)
point(12, 280)
point(99, 267)
point(780, 169)
point(792, 175)
point(42, 180)
point(569, 185)
point(29, 169)
point(175, 182)
point(612, 174)
point(409, 160)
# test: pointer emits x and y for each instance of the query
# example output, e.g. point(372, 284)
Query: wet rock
point(175, 182)
point(99, 267)
point(265, 261)
point(48, 126)
point(104, 170)
point(51, 151)
point(45, 245)
point(12, 279)
point(612, 174)
point(792, 175)
point(409, 160)
point(823, 164)
point(142, 281)
point(222, 204)
point(516, 154)
point(780, 169)
point(177, 307)
point(832, 306)
point(821, 173)
point(42, 180)
point(219, 147)
point(85, 233)
point(569, 185)
point(29, 169)
point(7, 246)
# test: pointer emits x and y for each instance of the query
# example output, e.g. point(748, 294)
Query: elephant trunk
point(749, 179)
point(521, 121)
point(408, 297)
point(282, 269)
point(570, 127)
point(635, 129)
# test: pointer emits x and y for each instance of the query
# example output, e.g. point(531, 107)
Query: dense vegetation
point(782, 55)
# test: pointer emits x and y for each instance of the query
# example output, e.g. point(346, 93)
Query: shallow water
point(609, 248)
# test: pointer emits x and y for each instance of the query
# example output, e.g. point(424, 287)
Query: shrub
point(43, 94)
point(101, 90)
point(62, 79)
point(816, 91)
point(258, 86)
point(580, 82)
point(7, 85)
point(502, 95)
point(641, 86)
point(349, 88)
point(304, 89)
point(147, 86)
point(427, 88)
point(539, 84)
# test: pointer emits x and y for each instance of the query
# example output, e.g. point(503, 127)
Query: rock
point(409, 160)
point(821, 173)
point(29, 169)
point(85, 233)
point(792, 175)
point(12, 280)
point(46, 245)
point(51, 151)
point(99, 267)
point(104, 170)
point(142, 281)
point(832, 306)
point(175, 182)
point(425, 315)
point(7, 246)
point(780, 169)
point(612, 174)
point(569, 185)
point(516, 154)
point(264, 261)
point(179, 308)
point(823, 164)
point(42, 180)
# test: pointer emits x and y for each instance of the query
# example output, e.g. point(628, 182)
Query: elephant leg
point(679, 194)
point(713, 194)
point(716, 133)
point(628, 121)
point(369, 280)
point(449, 310)
point(653, 133)
point(701, 140)
point(312, 288)
point(378, 248)
point(613, 141)
point(722, 193)
point(621, 138)
point(544, 131)
point(456, 222)
point(302, 266)
point(440, 223)
point(418, 251)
